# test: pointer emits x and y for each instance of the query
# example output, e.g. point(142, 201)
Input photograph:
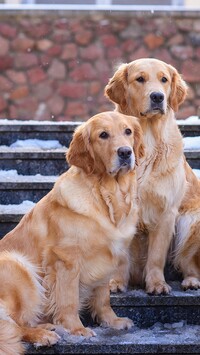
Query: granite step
point(61, 131)
point(15, 188)
point(53, 162)
point(33, 161)
point(13, 130)
point(162, 325)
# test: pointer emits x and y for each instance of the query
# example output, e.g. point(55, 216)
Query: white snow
point(190, 120)
point(36, 144)
point(191, 143)
point(13, 176)
point(22, 208)
point(28, 122)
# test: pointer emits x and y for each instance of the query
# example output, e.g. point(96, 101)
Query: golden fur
point(74, 238)
point(168, 189)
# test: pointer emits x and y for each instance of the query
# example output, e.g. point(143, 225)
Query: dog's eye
point(103, 135)
point(128, 131)
point(164, 79)
point(140, 79)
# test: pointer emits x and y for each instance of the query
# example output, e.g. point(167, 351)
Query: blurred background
point(56, 57)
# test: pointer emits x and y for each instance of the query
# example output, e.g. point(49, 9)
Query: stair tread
point(167, 339)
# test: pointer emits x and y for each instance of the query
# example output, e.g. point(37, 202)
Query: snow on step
point(22, 208)
point(13, 176)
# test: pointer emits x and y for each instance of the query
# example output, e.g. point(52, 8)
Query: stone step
point(34, 161)
point(163, 324)
point(13, 130)
point(52, 162)
point(15, 188)
point(61, 131)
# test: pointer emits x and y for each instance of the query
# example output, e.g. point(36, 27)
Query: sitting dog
point(168, 190)
point(62, 254)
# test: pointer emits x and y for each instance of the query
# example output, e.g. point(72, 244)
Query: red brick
point(25, 60)
point(19, 93)
point(115, 53)
point(91, 52)
point(109, 40)
point(35, 75)
point(57, 70)
point(83, 38)
point(72, 90)
point(23, 44)
point(83, 72)
point(129, 45)
point(6, 62)
point(7, 30)
point(24, 109)
point(153, 41)
point(17, 77)
point(5, 84)
point(70, 51)
point(43, 90)
point(39, 30)
point(94, 88)
point(4, 46)
point(54, 51)
point(44, 44)
point(61, 37)
point(76, 109)
point(190, 71)
point(3, 104)
point(141, 52)
point(185, 112)
point(55, 105)
point(182, 52)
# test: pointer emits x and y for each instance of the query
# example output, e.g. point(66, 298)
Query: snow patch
point(190, 120)
point(22, 208)
point(37, 144)
point(13, 176)
point(191, 143)
point(28, 122)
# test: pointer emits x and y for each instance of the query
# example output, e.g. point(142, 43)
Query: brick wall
point(54, 65)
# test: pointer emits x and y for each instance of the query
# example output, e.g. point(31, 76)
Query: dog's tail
point(10, 336)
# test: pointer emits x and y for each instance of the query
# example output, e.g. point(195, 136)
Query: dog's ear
point(139, 147)
point(115, 90)
point(178, 89)
point(79, 152)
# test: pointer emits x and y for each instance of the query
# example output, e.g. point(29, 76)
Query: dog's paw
point(47, 338)
point(119, 323)
point(190, 283)
point(86, 332)
point(117, 286)
point(158, 288)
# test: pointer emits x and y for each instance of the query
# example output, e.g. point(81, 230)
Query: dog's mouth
point(124, 167)
point(153, 111)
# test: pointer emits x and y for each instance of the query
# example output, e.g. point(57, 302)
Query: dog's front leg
point(62, 283)
point(102, 311)
point(159, 242)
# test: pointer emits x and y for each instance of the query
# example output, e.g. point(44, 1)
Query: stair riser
point(18, 196)
point(54, 165)
point(34, 166)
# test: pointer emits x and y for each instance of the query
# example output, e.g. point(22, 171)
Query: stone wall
point(54, 65)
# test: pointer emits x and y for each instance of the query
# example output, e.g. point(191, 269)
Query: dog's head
point(108, 142)
point(146, 88)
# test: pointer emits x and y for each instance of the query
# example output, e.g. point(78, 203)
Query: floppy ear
point(115, 89)
point(139, 147)
point(178, 90)
point(79, 152)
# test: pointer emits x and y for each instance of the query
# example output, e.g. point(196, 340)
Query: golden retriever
point(168, 190)
point(63, 253)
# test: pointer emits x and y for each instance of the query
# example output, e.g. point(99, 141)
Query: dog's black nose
point(124, 152)
point(157, 97)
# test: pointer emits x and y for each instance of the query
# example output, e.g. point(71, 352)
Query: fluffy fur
point(77, 235)
point(168, 190)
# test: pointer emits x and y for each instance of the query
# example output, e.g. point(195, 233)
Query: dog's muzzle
point(125, 154)
point(157, 101)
